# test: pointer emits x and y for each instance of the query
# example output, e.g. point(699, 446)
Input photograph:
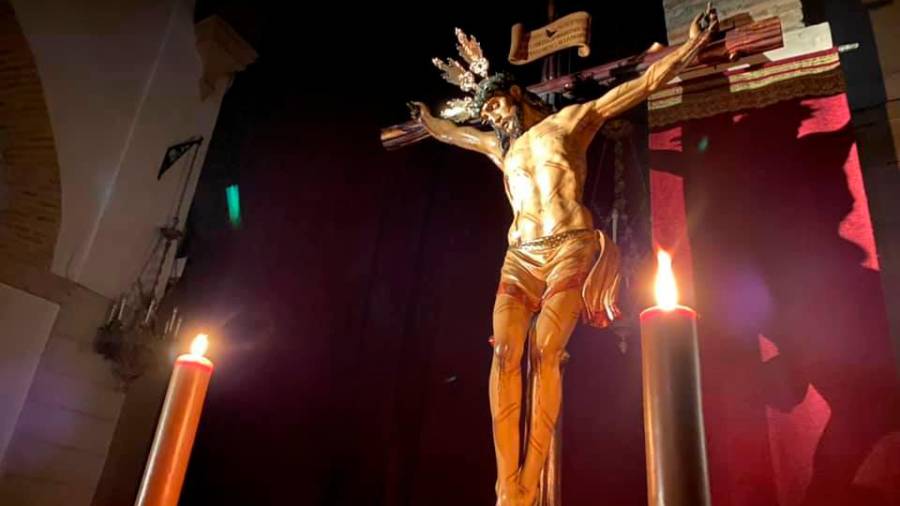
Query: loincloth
point(582, 259)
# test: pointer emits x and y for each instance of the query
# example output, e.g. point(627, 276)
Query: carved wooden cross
point(739, 36)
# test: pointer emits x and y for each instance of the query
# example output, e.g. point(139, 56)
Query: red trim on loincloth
point(600, 319)
point(517, 293)
point(569, 283)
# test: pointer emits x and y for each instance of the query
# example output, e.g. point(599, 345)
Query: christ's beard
point(513, 131)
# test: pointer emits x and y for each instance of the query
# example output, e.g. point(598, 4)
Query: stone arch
point(30, 195)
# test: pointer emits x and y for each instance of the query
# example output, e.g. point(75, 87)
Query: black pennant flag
point(173, 153)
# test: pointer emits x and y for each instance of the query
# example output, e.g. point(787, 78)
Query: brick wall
point(679, 13)
point(62, 433)
point(119, 80)
point(30, 216)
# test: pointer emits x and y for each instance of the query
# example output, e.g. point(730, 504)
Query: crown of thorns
point(462, 110)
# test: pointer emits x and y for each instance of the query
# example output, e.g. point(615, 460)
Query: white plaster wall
point(120, 79)
point(63, 432)
point(94, 60)
point(171, 111)
point(25, 324)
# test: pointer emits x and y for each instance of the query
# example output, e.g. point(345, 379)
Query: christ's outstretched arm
point(469, 138)
point(629, 94)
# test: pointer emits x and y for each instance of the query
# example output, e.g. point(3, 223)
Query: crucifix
point(738, 37)
point(558, 267)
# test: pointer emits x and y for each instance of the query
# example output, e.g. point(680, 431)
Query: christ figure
point(557, 266)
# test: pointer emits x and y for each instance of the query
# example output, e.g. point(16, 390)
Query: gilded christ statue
point(557, 268)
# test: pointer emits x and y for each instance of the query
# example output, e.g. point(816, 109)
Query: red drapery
point(766, 211)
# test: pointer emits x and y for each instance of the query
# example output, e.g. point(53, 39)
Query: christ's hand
point(418, 111)
point(706, 21)
point(465, 137)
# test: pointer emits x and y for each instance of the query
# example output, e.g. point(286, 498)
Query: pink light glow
point(793, 439)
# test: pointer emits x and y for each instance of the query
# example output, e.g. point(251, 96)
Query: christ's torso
point(544, 172)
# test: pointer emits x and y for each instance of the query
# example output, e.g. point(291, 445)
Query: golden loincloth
point(582, 259)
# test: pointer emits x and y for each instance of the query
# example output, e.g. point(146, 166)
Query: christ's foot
point(527, 497)
point(509, 496)
point(516, 495)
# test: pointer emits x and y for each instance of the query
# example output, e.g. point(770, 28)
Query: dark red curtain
point(352, 355)
point(767, 213)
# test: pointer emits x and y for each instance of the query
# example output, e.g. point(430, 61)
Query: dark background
point(352, 306)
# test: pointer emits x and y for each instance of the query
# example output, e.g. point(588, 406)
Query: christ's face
point(504, 113)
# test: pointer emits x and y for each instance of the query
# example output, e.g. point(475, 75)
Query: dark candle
point(673, 412)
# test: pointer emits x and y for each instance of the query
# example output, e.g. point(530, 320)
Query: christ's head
point(503, 111)
point(507, 108)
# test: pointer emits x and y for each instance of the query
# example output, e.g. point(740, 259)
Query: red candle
point(177, 427)
point(674, 437)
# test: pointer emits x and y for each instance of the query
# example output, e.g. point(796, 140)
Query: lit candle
point(177, 427)
point(673, 413)
point(112, 312)
point(170, 324)
point(150, 310)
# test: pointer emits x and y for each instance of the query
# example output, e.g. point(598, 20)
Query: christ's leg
point(511, 321)
point(555, 324)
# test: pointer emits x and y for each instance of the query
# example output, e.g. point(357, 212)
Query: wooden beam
point(738, 37)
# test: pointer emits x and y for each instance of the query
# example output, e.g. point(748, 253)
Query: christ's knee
point(549, 356)
point(507, 355)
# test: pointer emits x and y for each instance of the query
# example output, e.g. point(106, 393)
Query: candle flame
point(666, 289)
point(199, 345)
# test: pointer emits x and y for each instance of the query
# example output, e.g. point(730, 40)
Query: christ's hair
point(500, 83)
